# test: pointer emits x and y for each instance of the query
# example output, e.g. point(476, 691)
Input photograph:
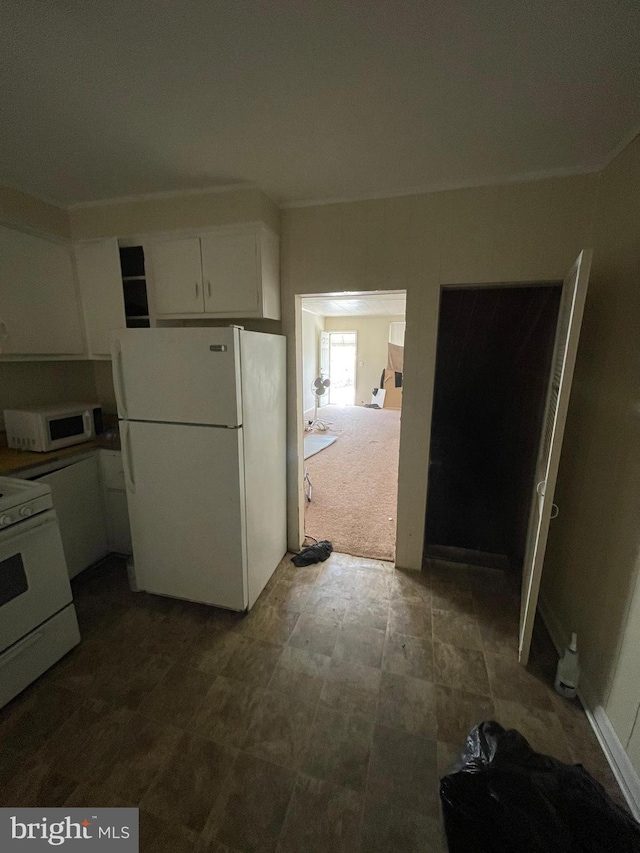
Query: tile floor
point(319, 722)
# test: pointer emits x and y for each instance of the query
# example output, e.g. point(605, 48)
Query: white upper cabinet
point(231, 273)
point(99, 277)
point(39, 306)
point(228, 272)
point(176, 268)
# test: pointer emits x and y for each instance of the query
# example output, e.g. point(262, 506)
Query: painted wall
point(594, 547)
point(45, 383)
point(312, 325)
point(166, 213)
point(373, 340)
point(521, 232)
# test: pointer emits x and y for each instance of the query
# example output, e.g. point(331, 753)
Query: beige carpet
point(355, 482)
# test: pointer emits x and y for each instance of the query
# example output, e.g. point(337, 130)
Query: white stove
point(20, 499)
point(37, 618)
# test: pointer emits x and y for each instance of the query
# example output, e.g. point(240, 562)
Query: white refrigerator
point(202, 425)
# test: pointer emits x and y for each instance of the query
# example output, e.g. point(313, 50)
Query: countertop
point(13, 461)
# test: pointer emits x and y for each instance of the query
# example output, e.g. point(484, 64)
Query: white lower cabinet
point(117, 520)
point(116, 511)
point(77, 500)
point(90, 501)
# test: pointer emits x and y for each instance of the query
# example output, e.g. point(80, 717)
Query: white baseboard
point(609, 741)
point(617, 757)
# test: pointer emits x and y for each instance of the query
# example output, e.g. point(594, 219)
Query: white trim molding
point(152, 196)
point(446, 186)
point(620, 147)
point(7, 221)
point(616, 755)
point(491, 180)
point(609, 741)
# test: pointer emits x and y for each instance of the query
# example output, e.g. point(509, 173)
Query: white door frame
point(295, 461)
point(482, 286)
point(324, 367)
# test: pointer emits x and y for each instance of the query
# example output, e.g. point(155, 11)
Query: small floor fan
point(319, 389)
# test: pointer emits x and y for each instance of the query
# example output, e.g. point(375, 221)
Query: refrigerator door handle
point(118, 379)
point(126, 457)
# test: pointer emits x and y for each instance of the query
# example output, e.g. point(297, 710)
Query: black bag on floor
point(502, 797)
point(313, 554)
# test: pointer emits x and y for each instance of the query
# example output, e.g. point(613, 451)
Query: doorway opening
point(494, 353)
point(505, 358)
point(342, 368)
point(352, 368)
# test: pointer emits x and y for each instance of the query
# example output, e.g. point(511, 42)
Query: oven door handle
point(31, 523)
point(19, 648)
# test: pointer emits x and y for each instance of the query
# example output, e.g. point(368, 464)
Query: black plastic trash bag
point(502, 797)
point(317, 553)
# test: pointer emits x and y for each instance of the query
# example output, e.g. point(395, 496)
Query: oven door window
point(66, 427)
point(13, 578)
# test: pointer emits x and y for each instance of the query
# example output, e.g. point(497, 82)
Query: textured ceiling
point(367, 305)
point(313, 99)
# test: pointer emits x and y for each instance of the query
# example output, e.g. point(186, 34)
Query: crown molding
point(43, 198)
point(445, 186)
point(620, 147)
point(439, 186)
point(218, 188)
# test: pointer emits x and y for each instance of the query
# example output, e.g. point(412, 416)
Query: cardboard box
point(393, 397)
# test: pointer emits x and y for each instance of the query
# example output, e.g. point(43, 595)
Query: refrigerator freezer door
point(185, 490)
point(187, 376)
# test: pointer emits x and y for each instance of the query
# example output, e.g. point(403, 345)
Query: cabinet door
point(177, 276)
point(231, 274)
point(115, 501)
point(77, 500)
point(111, 470)
point(100, 280)
point(39, 306)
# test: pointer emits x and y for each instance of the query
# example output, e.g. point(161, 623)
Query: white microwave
point(52, 428)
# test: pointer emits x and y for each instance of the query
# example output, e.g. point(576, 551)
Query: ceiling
point(314, 99)
point(356, 305)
